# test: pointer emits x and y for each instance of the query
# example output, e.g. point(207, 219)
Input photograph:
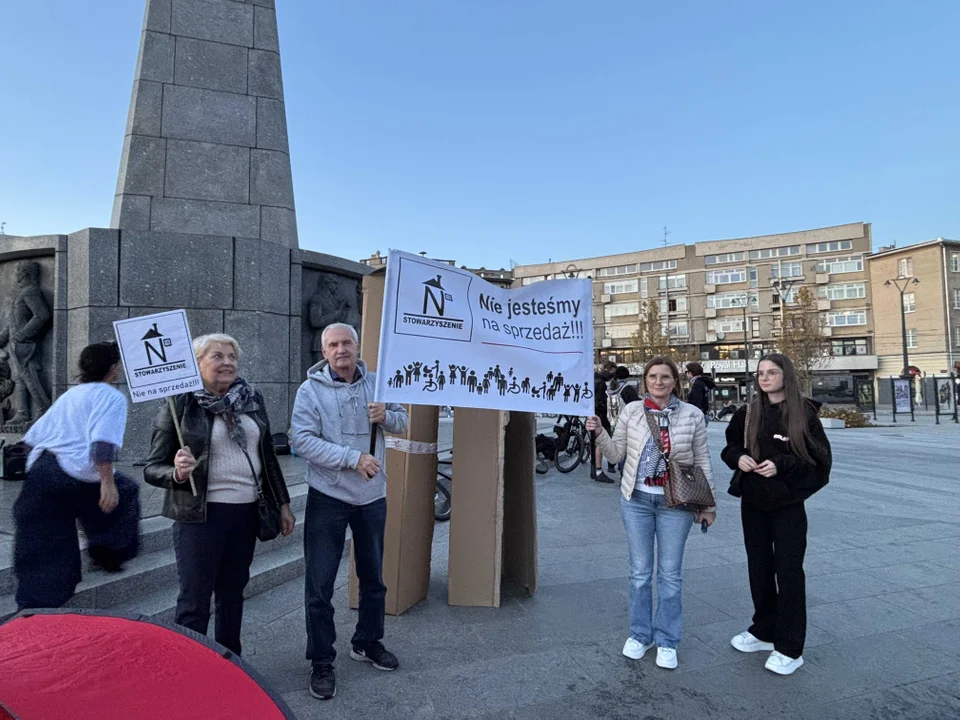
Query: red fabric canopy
point(79, 666)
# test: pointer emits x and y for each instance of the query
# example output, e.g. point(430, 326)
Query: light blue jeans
point(645, 517)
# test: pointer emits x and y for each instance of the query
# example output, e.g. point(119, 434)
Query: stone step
point(149, 583)
point(156, 534)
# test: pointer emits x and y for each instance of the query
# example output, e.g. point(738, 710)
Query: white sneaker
point(745, 642)
point(781, 664)
point(666, 658)
point(635, 650)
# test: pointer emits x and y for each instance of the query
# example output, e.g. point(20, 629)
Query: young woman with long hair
point(781, 456)
point(646, 518)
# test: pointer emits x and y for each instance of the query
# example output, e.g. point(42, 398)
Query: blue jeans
point(706, 419)
point(324, 534)
point(645, 517)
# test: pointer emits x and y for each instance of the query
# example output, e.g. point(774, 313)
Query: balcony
point(823, 304)
point(605, 298)
point(710, 289)
point(710, 312)
point(823, 278)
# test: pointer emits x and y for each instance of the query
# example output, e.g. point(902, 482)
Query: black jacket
point(796, 479)
point(197, 426)
point(700, 389)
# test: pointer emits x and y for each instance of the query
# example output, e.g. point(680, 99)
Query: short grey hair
point(201, 345)
point(340, 326)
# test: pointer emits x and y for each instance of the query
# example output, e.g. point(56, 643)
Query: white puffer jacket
point(688, 442)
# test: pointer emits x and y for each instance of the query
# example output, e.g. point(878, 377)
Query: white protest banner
point(450, 338)
point(157, 354)
point(901, 394)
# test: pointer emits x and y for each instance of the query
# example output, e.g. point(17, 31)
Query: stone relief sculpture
point(336, 299)
point(20, 345)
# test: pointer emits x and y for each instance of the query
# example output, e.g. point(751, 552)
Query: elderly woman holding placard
point(240, 492)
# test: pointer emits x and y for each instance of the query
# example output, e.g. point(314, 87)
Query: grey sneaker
point(323, 682)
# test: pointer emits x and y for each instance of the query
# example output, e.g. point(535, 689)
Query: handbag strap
point(256, 479)
point(746, 428)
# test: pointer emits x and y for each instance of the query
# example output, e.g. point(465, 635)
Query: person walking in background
point(600, 407)
point(70, 478)
point(647, 520)
point(781, 456)
point(333, 416)
point(701, 389)
point(620, 394)
point(230, 455)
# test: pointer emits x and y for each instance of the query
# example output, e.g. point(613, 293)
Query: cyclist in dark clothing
point(701, 388)
point(600, 407)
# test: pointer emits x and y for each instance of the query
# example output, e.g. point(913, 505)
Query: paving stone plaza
point(883, 584)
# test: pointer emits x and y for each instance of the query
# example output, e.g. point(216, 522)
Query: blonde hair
point(201, 345)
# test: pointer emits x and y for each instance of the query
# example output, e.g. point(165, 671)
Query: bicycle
point(572, 445)
point(441, 497)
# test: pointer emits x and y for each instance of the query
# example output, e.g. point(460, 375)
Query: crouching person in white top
point(70, 478)
point(231, 456)
point(332, 421)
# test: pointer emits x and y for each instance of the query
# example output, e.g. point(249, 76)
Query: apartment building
point(501, 277)
point(702, 290)
point(931, 307)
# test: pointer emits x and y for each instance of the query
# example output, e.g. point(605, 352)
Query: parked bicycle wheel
point(568, 456)
point(441, 498)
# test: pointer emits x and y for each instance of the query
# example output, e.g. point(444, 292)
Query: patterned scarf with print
point(653, 465)
point(240, 399)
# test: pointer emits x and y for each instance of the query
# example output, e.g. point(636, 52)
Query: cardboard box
point(411, 483)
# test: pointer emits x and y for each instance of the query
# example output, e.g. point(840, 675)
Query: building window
point(841, 265)
point(531, 280)
point(725, 301)
point(909, 302)
point(954, 262)
point(846, 318)
point(824, 247)
point(618, 270)
point(723, 259)
point(620, 287)
point(620, 309)
point(956, 299)
point(789, 295)
point(754, 282)
point(677, 329)
point(725, 277)
point(911, 338)
point(673, 282)
point(677, 304)
point(661, 265)
point(905, 267)
point(643, 287)
point(842, 291)
point(790, 269)
point(619, 331)
point(725, 325)
point(849, 346)
point(956, 336)
point(774, 252)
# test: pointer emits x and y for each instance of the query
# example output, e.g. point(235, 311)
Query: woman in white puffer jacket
point(646, 518)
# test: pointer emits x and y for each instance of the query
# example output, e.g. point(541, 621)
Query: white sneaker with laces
point(782, 664)
point(745, 642)
point(635, 650)
point(666, 658)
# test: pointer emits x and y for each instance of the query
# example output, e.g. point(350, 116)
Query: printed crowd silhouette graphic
point(433, 379)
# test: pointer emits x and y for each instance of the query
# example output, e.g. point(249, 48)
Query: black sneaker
point(377, 654)
point(601, 478)
point(611, 468)
point(323, 682)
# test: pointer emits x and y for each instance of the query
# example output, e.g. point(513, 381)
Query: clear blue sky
point(490, 130)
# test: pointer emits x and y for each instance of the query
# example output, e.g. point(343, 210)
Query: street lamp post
point(906, 282)
point(743, 302)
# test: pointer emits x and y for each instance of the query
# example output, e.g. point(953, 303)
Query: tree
point(650, 340)
point(802, 339)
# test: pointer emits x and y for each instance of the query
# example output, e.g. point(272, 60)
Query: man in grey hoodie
point(333, 416)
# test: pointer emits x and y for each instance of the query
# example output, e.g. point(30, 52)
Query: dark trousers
point(776, 541)
point(324, 533)
point(46, 558)
point(213, 558)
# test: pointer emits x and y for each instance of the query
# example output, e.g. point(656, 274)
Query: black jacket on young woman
point(196, 424)
point(796, 478)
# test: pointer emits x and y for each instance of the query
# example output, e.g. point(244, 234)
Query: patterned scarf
point(238, 400)
point(653, 467)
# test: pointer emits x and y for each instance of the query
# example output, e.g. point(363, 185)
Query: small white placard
point(157, 352)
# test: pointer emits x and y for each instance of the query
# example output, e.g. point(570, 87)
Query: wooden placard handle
point(176, 424)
